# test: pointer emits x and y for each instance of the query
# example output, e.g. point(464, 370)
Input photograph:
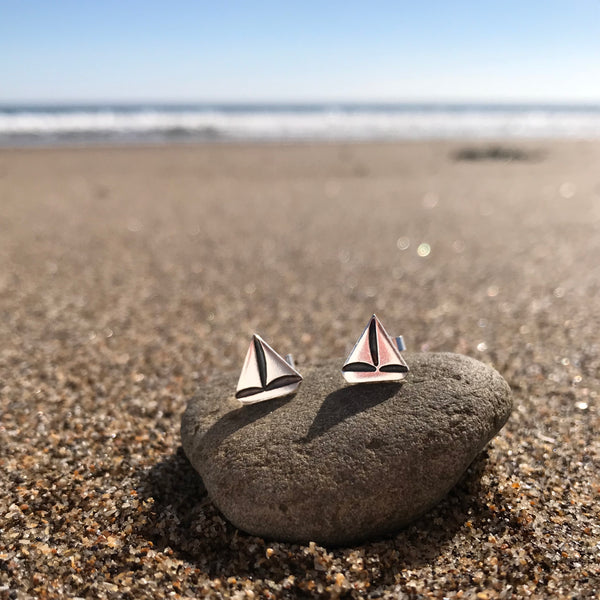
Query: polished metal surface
point(265, 374)
point(375, 357)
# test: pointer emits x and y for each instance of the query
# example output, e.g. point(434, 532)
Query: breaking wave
point(47, 125)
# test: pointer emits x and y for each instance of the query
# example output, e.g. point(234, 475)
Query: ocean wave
point(298, 123)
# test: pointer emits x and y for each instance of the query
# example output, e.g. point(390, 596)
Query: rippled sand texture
point(130, 276)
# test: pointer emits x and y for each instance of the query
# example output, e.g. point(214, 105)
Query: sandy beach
point(129, 276)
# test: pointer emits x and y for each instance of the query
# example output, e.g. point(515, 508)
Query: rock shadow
point(176, 494)
point(237, 419)
point(345, 403)
point(183, 518)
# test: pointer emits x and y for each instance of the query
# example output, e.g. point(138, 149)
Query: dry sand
point(130, 276)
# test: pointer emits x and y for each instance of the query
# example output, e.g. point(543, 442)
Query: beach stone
point(339, 464)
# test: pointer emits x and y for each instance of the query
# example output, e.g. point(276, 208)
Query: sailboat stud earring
point(375, 357)
point(265, 374)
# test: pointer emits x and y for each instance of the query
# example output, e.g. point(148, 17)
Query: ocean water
point(154, 123)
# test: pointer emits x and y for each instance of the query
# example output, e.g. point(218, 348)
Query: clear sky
point(233, 50)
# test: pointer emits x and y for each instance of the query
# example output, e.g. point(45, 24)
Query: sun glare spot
point(423, 250)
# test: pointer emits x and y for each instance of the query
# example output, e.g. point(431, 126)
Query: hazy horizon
point(437, 102)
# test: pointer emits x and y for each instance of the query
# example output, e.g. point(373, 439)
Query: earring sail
point(265, 374)
point(375, 357)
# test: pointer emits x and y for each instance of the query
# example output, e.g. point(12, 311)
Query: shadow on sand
point(184, 519)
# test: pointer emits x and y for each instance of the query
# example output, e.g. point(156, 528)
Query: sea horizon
point(57, 123)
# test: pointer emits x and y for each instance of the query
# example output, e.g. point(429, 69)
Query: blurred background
point(197, 71)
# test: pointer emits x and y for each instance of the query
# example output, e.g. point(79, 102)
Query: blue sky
point(180, 50)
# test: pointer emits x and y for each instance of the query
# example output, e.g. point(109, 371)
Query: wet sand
point(130, 276)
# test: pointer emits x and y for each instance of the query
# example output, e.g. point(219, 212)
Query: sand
point(130, 276)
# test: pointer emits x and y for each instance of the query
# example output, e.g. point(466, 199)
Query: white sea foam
point(298, 123)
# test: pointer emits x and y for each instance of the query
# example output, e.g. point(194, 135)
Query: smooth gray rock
point(339, 464)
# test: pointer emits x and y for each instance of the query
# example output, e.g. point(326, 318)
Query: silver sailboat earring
point(375, 357)
point(265, 374)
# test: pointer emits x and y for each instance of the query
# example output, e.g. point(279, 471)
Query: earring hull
point(355, 377)
point(281, 392)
